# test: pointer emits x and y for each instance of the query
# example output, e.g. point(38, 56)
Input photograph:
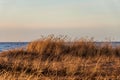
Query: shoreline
point(21, 44)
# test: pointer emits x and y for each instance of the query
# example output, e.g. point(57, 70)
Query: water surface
point(11, 45)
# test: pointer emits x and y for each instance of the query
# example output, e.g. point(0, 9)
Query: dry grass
point(53, 59)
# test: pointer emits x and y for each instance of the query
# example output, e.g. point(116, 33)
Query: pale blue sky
point(26, 20)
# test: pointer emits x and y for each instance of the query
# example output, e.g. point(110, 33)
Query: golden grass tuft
point(53, 58)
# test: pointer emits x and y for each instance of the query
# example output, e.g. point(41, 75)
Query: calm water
point(11, 45)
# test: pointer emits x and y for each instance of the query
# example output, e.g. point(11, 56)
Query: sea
point(4, 46)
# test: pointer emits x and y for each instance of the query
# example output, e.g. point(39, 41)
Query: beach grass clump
point(54, 58)
point(49, 45)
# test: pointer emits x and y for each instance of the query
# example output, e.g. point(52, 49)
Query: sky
point(27, 20)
